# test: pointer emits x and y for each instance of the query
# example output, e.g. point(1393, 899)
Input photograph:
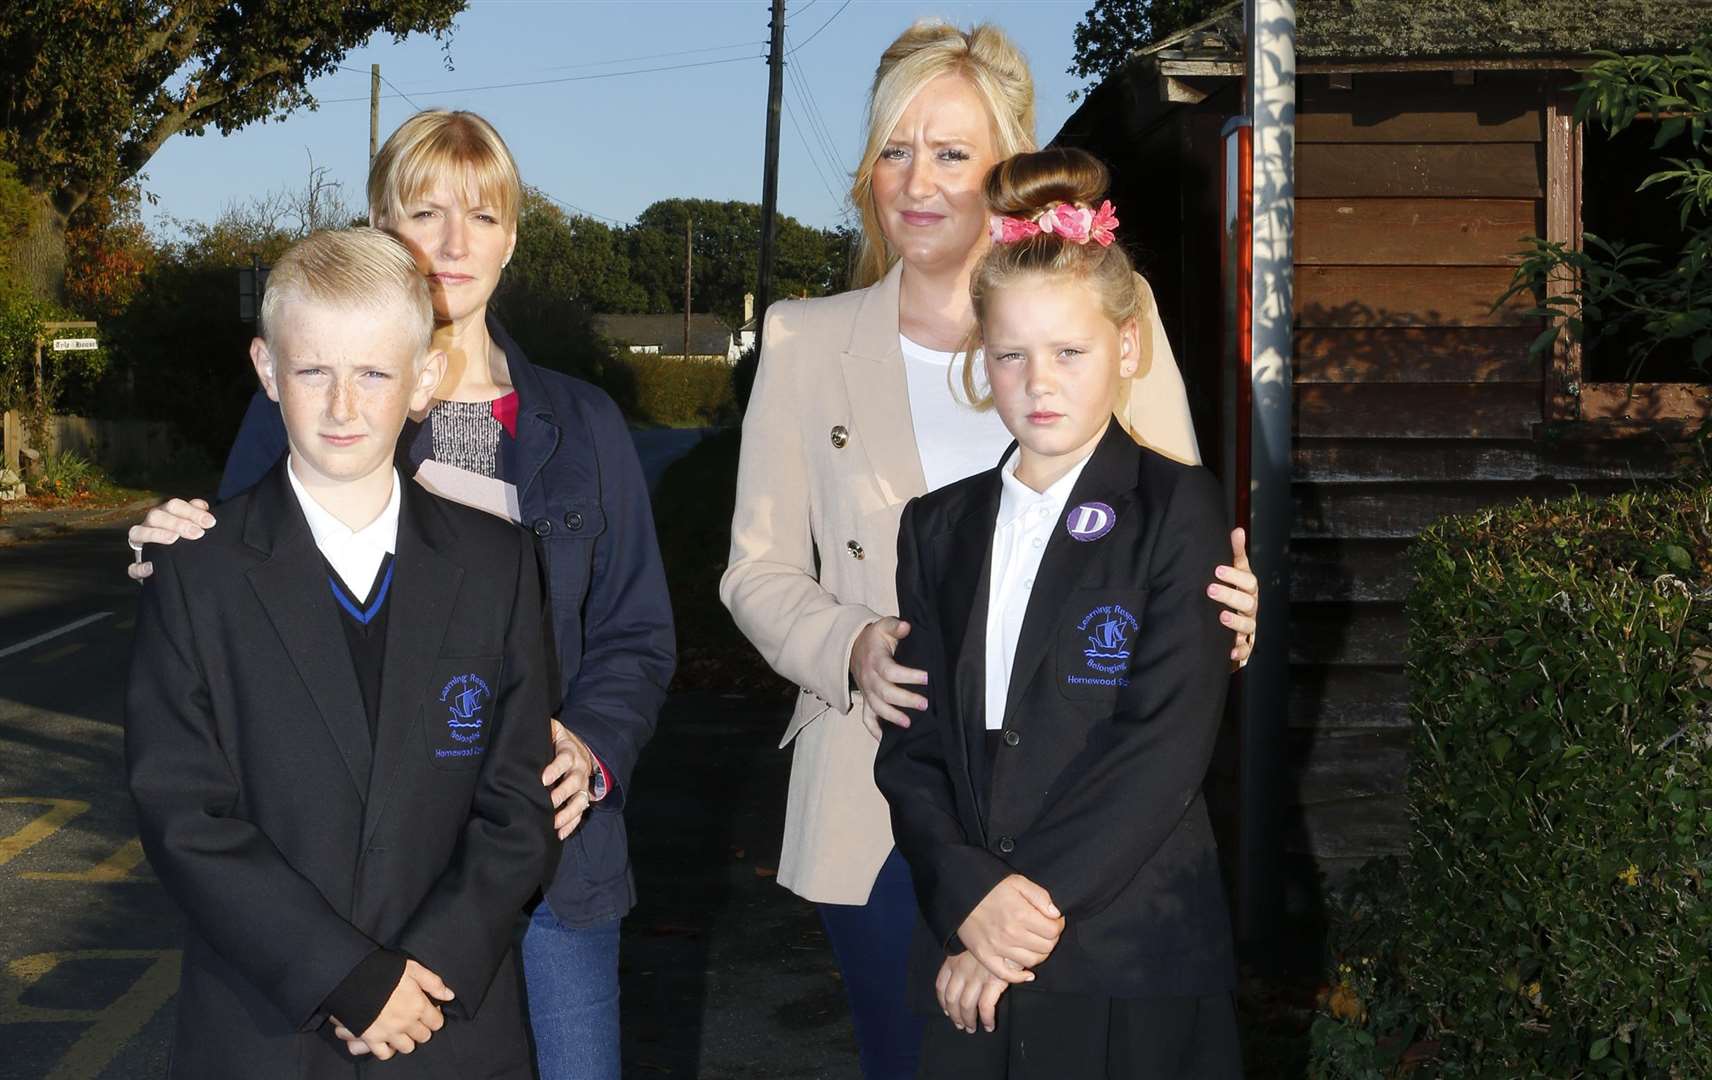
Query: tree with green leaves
point(726, 241)
point(1112, 29)
point(1637, 295)
point(93, 88)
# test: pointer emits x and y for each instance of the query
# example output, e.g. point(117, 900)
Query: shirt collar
point(1017, 499)
point(330, 533)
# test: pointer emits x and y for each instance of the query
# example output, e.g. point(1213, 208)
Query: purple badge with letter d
point(1090, 521)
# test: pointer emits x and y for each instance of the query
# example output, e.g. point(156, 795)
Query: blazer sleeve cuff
point(358, 1000)
point(968, 873)
point(839, 692)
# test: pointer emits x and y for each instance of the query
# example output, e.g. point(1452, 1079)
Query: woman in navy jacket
point(552, 453)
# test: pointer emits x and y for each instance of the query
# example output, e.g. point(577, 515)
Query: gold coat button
point(840, 436)
point(854, 549)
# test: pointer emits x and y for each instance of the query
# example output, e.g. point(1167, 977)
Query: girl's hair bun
point(1024, 185)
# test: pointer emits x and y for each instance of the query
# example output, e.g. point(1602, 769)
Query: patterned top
point(466, 433)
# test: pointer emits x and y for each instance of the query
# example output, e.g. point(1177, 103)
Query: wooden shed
point(1429, 140)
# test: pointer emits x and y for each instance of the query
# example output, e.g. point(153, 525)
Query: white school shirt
point(355, 555)
point(1025, 523)
point(952, 437)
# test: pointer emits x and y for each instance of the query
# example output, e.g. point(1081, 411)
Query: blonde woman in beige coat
point(852, 415)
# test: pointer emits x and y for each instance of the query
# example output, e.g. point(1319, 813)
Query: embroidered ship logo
point(1108, 645)
point(464, 697)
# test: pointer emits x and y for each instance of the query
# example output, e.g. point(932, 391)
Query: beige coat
point(829, 459)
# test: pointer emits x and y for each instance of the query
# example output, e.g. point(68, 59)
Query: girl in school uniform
point(1048, 800)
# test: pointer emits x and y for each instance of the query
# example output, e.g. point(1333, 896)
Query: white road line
point(51, 634)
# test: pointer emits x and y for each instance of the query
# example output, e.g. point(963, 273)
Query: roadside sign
point(75, 344)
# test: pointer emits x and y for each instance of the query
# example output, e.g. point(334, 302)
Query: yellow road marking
point(115, 869)
point(110, 1028)
point(58, 654)
point(125, 624)
point(60, 812)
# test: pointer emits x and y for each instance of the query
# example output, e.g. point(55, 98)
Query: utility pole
point(770, 172)
point(689, 224)
point(374, 110)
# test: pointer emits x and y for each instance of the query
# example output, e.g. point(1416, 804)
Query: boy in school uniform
point(333, 720)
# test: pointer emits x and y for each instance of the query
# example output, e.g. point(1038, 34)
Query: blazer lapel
point(873, 366)
point(292, 586)
point(537, 433)
point(424, 587)
point(1109, 476)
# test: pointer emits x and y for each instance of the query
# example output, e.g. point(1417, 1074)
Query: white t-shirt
point(953, 438)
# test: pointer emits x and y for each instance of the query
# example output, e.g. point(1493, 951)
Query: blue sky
point(610, 146)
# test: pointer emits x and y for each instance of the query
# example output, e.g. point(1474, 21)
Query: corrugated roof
point(1445, 29)
point(709, 336)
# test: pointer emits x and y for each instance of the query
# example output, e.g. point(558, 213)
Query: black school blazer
point(1114, 704)
point(295, 845)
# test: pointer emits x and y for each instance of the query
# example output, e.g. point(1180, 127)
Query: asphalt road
point(725, 975)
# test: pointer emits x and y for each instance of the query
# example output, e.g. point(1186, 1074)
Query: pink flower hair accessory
point(1069, 221)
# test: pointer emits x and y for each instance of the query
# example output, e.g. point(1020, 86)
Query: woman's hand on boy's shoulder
point(166, 524)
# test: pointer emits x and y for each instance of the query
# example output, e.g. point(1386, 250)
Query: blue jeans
point(872, 943)
point(572, 978)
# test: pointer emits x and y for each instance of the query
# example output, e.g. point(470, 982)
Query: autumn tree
point(108, 251)
point(93, 88)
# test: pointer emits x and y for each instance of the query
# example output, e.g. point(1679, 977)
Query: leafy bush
point(1366, 1021)
point(1559, 896)
point(672, 390)
point(64, 476)
point(1628, 293)
point(21, 324)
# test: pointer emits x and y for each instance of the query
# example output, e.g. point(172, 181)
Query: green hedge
point(1560, 910)
point(671, 390)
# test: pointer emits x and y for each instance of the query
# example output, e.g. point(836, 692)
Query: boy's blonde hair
point(438, 145)
point(990, 62)
point(362, 268)
point(1023, 187)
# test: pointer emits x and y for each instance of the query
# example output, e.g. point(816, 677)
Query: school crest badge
point(466, 698)
point(1101, 639)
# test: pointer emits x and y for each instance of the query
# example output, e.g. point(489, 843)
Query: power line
point(836, 201)
point(817, 122)
point(551, 82)
point(819, 28)
point(388, 82)
point(819, 151)
point(659, 56)
point(804, 9)
point(580, 210)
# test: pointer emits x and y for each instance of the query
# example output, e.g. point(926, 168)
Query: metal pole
point(770, 172)
point(689, 224)
point(374, 111)
point(1271, 96)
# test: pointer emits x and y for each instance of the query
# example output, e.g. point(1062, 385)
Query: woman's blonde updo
point(1024, 187)
point(994, 66)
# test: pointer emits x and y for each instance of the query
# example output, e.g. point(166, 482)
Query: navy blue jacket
point(581, 490)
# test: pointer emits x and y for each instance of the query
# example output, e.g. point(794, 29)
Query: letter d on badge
point(1090, 521)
